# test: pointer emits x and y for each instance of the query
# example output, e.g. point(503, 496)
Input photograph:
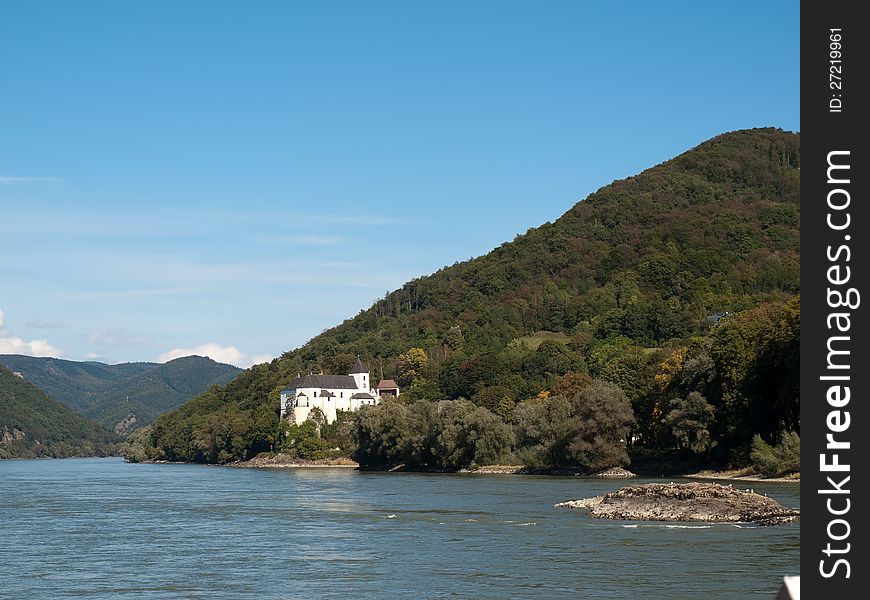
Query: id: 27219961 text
point(835, 70)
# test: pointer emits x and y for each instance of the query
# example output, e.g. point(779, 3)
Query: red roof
point(387, 384)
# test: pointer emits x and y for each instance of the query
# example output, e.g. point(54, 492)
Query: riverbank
point(611, 473)
point(285, 461)
point(744, 475)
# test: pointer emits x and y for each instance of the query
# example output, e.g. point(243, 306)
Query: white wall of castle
point(304, 400)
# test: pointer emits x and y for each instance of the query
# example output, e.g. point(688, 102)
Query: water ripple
point(100, 528)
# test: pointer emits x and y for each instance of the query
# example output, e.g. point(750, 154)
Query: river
point(102, 528)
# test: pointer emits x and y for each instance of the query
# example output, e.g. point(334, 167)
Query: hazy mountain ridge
point(72, 383)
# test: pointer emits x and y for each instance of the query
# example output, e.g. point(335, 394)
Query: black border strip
point(834, 103)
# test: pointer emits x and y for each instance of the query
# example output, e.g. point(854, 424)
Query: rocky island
point(710, 502)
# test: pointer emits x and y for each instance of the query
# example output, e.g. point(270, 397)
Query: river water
point(102, 528)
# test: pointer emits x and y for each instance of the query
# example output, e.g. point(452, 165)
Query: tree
point(623, 363)
point(411, 365)
point(317, 417)
point(454, 338)
point(757, 359)
point(505, 408)
point(381, 434)
point(552, 359)
point(589, 430)
point(491, 397)
point(541, 430)
point(339, 433)
point(690, 421)
point(600, 426)
point(422, 388)
point(304, 441)
point(571, 384)
point(426, 435)
point(469, 435)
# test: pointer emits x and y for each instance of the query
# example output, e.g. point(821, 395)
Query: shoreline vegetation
point(744, 475)
point(279, 460)
point(654, 326)
point(291, 460)
point(284, 461)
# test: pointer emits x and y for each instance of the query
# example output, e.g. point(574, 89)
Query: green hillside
point(612, 288)
point(74, 384)
point(126, 396)
point(148, 394)
point(32, 425)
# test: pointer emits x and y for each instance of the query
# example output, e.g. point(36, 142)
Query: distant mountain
point(32, 425)
point(148, 394)
point(74, 384)
point(644, 263)
point(121, 397)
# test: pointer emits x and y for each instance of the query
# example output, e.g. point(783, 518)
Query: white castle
point(331, 393)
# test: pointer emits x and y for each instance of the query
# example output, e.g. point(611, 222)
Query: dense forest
point(661, 313)
point(32, 425)
point(122, 397)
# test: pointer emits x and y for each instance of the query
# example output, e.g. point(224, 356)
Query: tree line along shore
point(657, 322)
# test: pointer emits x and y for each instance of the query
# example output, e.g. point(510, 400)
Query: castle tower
point(361, 376)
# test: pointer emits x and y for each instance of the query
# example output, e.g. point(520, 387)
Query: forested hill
point(74, 384)
point(32, 425)
point(121, 397)
point(635, 269)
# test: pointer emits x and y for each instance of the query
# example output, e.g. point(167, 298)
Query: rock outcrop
point(710, 502)
point(123, 426)
point(8, 437)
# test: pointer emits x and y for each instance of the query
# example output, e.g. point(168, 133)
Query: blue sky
point(231, 178)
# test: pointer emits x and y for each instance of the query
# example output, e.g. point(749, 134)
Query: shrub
point(778, 460)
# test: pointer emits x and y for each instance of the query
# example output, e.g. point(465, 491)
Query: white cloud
point(16, 345)
point(10, 344)
point(223, 354)
point(259, 359)
point(93, 356)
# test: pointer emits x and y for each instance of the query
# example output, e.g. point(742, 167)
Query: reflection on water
point(100, 528)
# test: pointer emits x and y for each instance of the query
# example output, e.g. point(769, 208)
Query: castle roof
point(387, 384)
point(358, 367)
point(362, 396)
point(335, 382)
point(326, 394)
